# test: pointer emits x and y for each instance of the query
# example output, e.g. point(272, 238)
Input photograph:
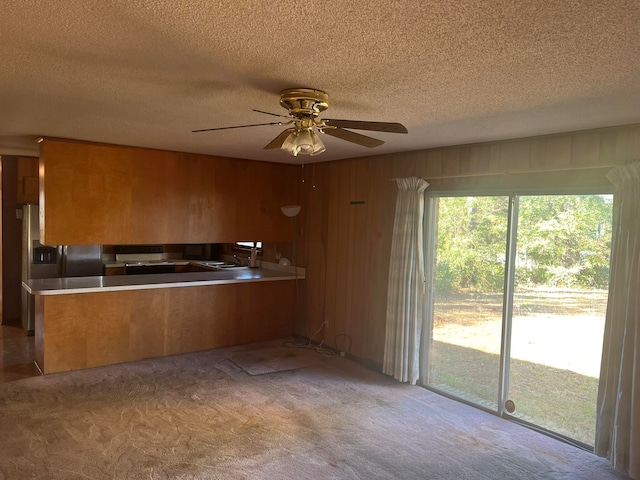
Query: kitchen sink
point(224, 266)
point(229, 267)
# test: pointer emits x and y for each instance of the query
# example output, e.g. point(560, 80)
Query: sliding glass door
point(560, 301)
point(517, 305)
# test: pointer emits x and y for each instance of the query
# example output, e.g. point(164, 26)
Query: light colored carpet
point(275, 359)
point(200, 416)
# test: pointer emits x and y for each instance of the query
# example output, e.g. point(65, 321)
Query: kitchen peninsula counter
point(65, 286)
point(94, 321)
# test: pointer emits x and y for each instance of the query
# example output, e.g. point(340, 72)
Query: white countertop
point(64, 286)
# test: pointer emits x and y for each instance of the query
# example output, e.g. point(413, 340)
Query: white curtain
point(406, 284)
point(618, 414)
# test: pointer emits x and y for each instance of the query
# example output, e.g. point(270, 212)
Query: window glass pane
point(249, 244)
point(468, 298)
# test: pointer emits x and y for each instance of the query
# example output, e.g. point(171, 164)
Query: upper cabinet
point(105, 194)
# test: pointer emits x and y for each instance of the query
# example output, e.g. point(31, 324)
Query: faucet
point(237, 259)
point(253, 259)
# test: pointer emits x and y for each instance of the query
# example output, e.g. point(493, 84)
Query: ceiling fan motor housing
point(304, 102)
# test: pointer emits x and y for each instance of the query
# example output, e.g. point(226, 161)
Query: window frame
point(239, 247)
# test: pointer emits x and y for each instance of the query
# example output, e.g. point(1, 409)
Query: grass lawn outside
point(555, 354)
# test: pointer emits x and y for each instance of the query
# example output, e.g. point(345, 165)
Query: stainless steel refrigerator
point(46, 261)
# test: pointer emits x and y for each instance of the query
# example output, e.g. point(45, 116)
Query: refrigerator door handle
point(62, 251)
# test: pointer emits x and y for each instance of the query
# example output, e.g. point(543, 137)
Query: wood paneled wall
point(105, 194)
point(553, 153)
point(345, 234)
point(14, 172)
point(19, 186)
point(27, 180)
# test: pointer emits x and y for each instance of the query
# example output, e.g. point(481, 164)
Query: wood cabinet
point(105, 194)
point(83, 330)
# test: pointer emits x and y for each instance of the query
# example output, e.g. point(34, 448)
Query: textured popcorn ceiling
point(146, 73)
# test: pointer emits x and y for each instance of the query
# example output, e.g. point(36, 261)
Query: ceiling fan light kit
point(304, 106)
point(304, 142)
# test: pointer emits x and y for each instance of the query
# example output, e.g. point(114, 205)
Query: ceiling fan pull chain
point(313, 175)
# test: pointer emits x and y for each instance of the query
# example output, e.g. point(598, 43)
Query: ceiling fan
point(304, 105)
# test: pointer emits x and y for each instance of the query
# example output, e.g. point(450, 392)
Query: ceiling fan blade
point(238, 126)
point(389, 127)
point(269, 113)
point(279, 140)
point(353, 137)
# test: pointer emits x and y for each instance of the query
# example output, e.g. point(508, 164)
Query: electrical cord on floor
point(310, 345)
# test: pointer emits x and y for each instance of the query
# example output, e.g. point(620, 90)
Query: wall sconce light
point(290, 210)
